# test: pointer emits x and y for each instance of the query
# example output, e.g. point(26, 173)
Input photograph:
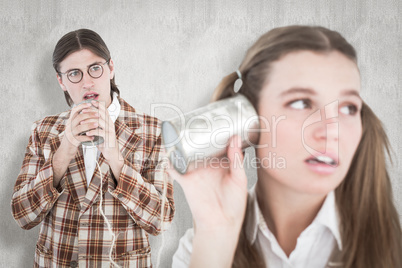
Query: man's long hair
point(76, 41)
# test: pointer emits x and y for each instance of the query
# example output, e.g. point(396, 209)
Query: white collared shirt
point(314, 245)
point(90, 151)
point(313, 248)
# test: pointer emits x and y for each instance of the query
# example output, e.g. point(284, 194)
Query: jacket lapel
point(125, 125)
point(92, 193)
point(75, 173)
point(127, 140)
point(77, 185)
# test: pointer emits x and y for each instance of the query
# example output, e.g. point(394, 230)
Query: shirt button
point(50, 193)
point(73, 264)
point(120, 195)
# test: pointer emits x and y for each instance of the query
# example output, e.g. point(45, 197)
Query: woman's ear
point(63, 87)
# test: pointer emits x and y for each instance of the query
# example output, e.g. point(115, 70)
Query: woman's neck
point(287, 212)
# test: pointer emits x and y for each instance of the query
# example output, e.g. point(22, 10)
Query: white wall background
point(173, 52)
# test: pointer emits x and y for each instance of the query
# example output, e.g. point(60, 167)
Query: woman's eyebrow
point(351, 92)
point(309, 91)
point(294, 90)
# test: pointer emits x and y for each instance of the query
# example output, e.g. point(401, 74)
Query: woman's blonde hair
point(370, 228)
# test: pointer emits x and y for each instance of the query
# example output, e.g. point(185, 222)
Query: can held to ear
point(97, 139)
point(193, 139)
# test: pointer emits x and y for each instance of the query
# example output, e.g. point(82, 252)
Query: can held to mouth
point(194, 138)
point(97, 139)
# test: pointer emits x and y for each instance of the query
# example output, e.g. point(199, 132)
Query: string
point(158, 260)
point(109, 227)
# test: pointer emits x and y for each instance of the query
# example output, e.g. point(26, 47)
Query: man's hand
point(109, 148)
point(82, 119)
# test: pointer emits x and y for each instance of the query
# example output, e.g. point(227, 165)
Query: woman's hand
point(217, 196)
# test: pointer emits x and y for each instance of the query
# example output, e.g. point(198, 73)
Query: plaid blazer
point(73, 232)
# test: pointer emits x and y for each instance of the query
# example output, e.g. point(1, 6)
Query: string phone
point(98, 140)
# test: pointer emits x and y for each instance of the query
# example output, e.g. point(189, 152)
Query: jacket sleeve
point(141, 193)
point(34, 194)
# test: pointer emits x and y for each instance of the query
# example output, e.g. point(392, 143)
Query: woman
point(332, 203)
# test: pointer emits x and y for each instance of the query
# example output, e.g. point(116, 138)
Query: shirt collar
point(253, 216)
point(327, 216)
point(114, 108)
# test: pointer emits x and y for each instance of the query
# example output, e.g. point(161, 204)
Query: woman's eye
point(349, 109)
point(300, 104)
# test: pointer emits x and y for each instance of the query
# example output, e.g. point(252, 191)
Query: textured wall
point(173, 52)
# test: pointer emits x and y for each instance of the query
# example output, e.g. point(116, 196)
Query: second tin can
point(192, 139)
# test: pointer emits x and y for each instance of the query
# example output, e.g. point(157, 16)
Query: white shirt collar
point(327, 216)
point(114, 108)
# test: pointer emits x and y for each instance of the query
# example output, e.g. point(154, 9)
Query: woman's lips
point(321, 168)
point(322, 164)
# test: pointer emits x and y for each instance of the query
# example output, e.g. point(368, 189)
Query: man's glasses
point(94, 71)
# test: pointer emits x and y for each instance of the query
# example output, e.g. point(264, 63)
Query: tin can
point(97, 139)
point(194, 138)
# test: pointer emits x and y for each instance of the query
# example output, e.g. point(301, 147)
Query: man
point(68, 180)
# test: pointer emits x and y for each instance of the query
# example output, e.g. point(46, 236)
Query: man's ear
point(63, 87)
point(111, 67)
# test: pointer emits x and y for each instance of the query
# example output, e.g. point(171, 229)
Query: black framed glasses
point(94, 71)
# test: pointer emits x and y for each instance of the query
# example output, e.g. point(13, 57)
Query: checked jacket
point(73, 232)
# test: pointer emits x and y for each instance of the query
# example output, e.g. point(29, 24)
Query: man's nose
point(87, 80)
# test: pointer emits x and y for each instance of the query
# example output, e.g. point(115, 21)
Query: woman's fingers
point(174, 174)
point(235, 154)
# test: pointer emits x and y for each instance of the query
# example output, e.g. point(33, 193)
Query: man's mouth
point(91, 96)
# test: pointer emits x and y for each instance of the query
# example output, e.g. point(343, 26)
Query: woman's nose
point(321, 129)
point(329, 127)
point(326, 129)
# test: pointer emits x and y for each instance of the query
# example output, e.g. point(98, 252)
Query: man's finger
point(77, 109)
